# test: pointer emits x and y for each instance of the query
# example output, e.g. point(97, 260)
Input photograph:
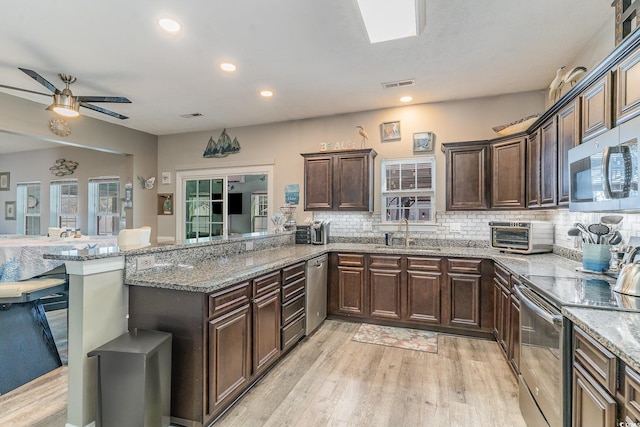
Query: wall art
point(390, 131)
point(423, 143)
point(63, 167)
point(4, 181)
point(10, 210)
point(223, 147)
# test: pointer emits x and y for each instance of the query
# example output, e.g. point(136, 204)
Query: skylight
point(385, 20)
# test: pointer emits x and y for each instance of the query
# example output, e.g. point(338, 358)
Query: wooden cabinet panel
point(533, 169)
point(339, 181)
point(423, 296)
point(464, 300)
point(592, 405)
point(384, 291)
point(548, 163)
point(501, 315)
point(318, 183)
point(225, 301)
point(351, 260)
point(568, 137)
point(266, 330)
point(266, 284)
point(424, 263)
point(351, 290)
point(597, 105)
point(229, 358)
point(632, 394)
point(597, 360)
point(467, 184)
point(628, 88)
point(293, 272)
point(508, 174)
point(464, 265)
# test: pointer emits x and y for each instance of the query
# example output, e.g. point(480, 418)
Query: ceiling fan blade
point(103, 110)
point(37, 77)
point(25, 90)
point(120, 99)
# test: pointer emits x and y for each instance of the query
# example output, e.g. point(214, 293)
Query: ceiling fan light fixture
point(64, 104)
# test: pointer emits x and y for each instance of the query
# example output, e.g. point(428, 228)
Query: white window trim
point(212, 173)
point(392, 226)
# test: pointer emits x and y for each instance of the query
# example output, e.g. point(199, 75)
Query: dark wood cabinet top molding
point(329, 153)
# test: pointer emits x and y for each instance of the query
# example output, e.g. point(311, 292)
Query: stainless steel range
point(545, 349)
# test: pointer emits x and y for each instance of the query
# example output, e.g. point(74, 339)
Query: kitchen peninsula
point(193, 290)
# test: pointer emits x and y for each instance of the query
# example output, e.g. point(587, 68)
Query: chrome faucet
point(406, 230)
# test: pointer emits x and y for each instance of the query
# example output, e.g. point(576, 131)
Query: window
point(408, 189)
point(104, 206)
point(28, 208)
point(64, 204)
point(204, 203)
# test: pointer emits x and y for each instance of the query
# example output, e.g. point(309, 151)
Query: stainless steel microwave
point(603, 172)
point(523, 237)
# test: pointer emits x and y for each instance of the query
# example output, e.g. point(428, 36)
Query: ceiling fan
point(64, 102)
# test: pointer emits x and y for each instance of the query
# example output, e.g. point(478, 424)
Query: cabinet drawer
point(597, 360)
point(632, 393)
point(266, 284)
point(501, 276)
point(293, 273)
point(293, 332)
point(459, 265)
point(424, 264)
point(351, 260)
point(292, 289)
point(293, 309)
point(225, 301)
point(383, 261)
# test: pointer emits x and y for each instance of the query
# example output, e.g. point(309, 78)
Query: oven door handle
point(547, 317)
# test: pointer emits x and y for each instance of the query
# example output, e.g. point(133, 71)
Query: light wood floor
point(330, 380)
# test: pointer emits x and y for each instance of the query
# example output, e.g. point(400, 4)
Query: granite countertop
point(618, 331)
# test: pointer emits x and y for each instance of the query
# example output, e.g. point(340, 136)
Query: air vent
point(189, 116)
point(399, 83)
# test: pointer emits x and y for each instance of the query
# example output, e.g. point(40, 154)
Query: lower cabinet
point(605, 392)
point(507, 316)
point(447, 293)
point(222, 341)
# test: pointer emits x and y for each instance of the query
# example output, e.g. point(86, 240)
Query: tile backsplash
point(473, 225)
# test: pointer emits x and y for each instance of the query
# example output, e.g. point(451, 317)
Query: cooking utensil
point(615, 239)
point(611, 219)
point(599, 230)
point(628, 281)
point(586, 236)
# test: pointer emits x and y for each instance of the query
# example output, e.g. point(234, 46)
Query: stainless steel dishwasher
point(316, 292)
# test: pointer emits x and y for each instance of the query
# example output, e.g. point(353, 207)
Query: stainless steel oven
point(542, 394)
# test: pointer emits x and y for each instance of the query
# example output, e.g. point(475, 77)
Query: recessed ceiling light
point(406, 98)
point(266, 93)
point(227, 66)
point(170, 25)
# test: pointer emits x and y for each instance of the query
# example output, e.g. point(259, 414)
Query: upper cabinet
point(335, 181)
point(628, 88)
point(467, 184)
point(568, 120)
point(548, 163)
point(597, 106)
point(508, 159)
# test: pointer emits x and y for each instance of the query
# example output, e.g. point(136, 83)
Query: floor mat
point(411, 339)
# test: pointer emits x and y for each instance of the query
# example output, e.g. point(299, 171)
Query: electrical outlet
point(248, 246)
point(455, 227)
point(145, 262)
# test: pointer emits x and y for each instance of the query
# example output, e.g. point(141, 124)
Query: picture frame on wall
point(390, 131)
point(10, 210)
point(4, 181)
point(423, 143)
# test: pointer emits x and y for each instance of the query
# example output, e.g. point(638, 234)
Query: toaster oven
point(523, 237)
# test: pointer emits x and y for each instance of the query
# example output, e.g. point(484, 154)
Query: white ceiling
point(315, 55)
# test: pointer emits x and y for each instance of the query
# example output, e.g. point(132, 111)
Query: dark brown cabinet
point(424, 280)
point(628, 88)
point(385, 287)
point(508, 159)
point(597, 106)
point(463, 284)
point(339, 180)
point(513, 344)
point(501, 297)
point(507, 316)
point(266, 321)
point(349, 285)
point(548, 163)
point(568, 137)
point(467, 176)
point(293, 305)
point(533, 169)
point(592, 405)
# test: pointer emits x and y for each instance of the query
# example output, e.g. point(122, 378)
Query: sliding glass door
point(204, 203)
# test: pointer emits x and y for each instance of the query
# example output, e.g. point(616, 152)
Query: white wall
point(30, 119)
point(282, 143)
